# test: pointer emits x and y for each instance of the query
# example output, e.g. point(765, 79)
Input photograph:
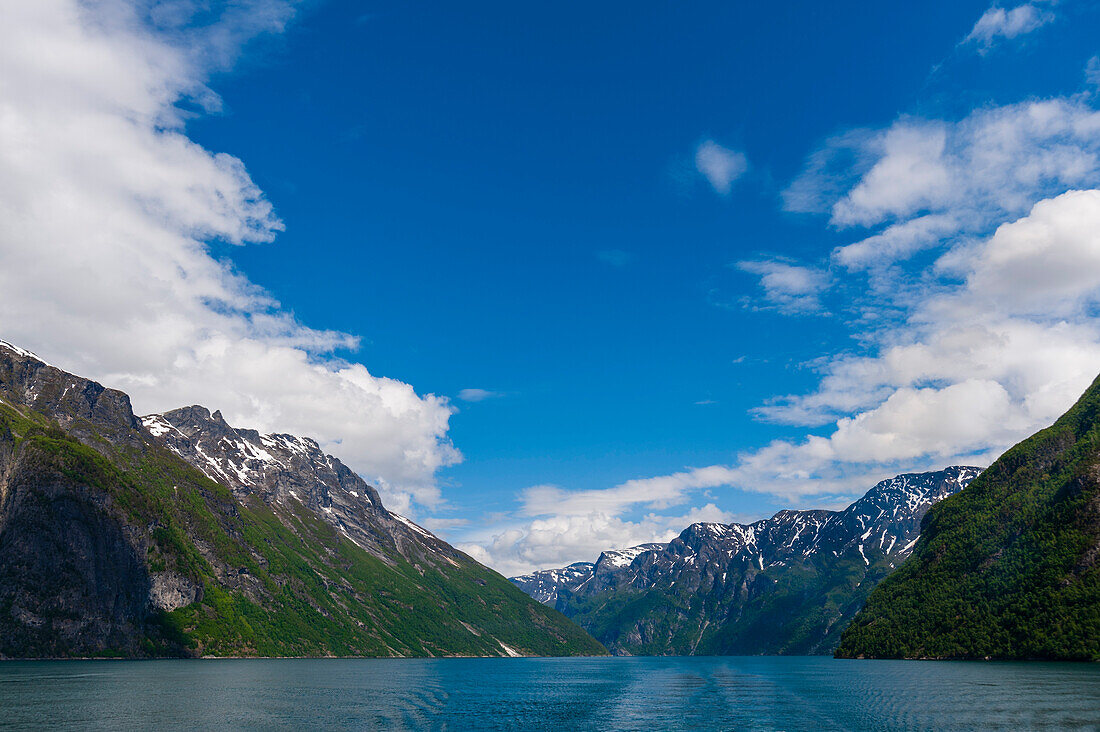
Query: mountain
point(546, 584)
point(180, 535)
point(287, 471)
point(783, 585)
point(1008, 568)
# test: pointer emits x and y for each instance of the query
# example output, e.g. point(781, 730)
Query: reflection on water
point(559, 694)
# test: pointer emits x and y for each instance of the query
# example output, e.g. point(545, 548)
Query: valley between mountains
point(178, 534)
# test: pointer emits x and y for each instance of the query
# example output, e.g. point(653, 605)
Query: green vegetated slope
point(1008, 567)
point(87, 536)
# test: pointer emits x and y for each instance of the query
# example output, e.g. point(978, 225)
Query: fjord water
point(545, 693)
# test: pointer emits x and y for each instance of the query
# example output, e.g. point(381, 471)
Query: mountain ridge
point(784, 584)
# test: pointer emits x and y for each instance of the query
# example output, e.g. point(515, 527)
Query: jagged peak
point(623, 557)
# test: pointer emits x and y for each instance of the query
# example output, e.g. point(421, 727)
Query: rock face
point(180, 535)
point(1009, 567)
point(787, 584)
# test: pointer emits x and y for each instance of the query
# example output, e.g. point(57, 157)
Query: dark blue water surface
point(557, 694)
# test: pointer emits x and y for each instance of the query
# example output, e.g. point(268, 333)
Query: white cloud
point(554, 527)
point(990, 164)
point(927, 181)
point(477, 395)
point(1047, 263)
point(1092, 72)
point(559, 540)
point(899, 241)
point(996, 22)
point(910, 175)
point(720, 166)
point(653, 493)
point(790, 288)
point(107, 206)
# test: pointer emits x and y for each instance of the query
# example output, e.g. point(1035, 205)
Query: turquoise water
point(557, 694)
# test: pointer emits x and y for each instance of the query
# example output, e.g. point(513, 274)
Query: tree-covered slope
point(1008, 567)
point(111, 544)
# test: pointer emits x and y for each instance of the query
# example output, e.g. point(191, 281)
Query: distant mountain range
point(177, 534)
point(1010, 567)
point(788, 584)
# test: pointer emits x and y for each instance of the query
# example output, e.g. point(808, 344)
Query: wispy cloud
point(720, 165)
point(477, 395)
point(788, 287)
point(1092, 73)
point(998, 23)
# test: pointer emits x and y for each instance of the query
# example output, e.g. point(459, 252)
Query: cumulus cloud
point(108, 209)
point(898, 241)
point(654, 493)
point(554, 526)
point(1047, 263)
point(720, 166)
point(993, 163)
point(788, 287)
point(997, 23)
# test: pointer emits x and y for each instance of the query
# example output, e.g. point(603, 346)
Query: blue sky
point(610, 240)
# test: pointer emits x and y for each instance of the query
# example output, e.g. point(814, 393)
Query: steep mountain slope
point(112, 544)
point(284, 470)
point(1008, 568)
point(783, 585)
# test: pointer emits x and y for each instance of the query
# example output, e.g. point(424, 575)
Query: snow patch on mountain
point(24, 352)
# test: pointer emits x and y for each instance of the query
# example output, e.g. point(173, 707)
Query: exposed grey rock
point(169, 590)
